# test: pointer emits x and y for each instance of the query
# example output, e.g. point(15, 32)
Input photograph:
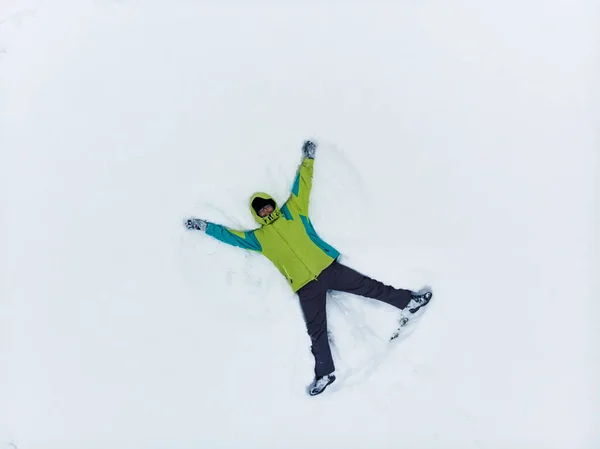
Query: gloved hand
point(308, 149)
point(196, 223)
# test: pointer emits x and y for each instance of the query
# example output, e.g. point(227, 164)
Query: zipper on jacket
point(295, 254)
point(287, 274)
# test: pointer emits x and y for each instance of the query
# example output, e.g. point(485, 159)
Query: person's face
point(265, 210)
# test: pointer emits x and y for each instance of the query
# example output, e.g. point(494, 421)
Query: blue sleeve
point(241, 239)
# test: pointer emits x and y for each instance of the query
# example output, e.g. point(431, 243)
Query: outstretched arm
point(241, 239)
point(303, 181)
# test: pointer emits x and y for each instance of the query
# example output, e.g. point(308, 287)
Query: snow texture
point(458, 148)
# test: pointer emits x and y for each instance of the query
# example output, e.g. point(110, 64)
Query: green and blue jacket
point(286, 237)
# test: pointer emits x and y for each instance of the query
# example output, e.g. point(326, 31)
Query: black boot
point(320, 383)
point(418, 299)
point(409, 314)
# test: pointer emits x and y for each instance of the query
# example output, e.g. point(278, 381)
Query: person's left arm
point(304, 176)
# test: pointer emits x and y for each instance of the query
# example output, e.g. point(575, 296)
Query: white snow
point(458, 148)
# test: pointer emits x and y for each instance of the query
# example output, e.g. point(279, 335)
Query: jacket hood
point(269, 218)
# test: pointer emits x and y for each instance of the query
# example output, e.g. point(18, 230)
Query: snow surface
point(458, 148)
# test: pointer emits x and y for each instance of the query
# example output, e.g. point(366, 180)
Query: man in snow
point(287, 237)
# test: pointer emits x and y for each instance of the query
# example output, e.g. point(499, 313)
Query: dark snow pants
point(340, 278)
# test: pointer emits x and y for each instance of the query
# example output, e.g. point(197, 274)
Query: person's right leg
point(313, 303)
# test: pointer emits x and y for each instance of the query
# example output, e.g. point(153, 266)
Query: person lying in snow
point(289, 240)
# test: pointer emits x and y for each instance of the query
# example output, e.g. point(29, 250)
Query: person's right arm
point(241, 239)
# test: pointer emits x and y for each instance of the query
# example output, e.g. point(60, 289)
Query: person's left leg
point(345, 279)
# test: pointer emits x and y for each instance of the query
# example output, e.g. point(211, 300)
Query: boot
point(320, 383)
point(418, 299)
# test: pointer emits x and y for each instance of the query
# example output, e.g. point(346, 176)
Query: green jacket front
point(286, 237)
